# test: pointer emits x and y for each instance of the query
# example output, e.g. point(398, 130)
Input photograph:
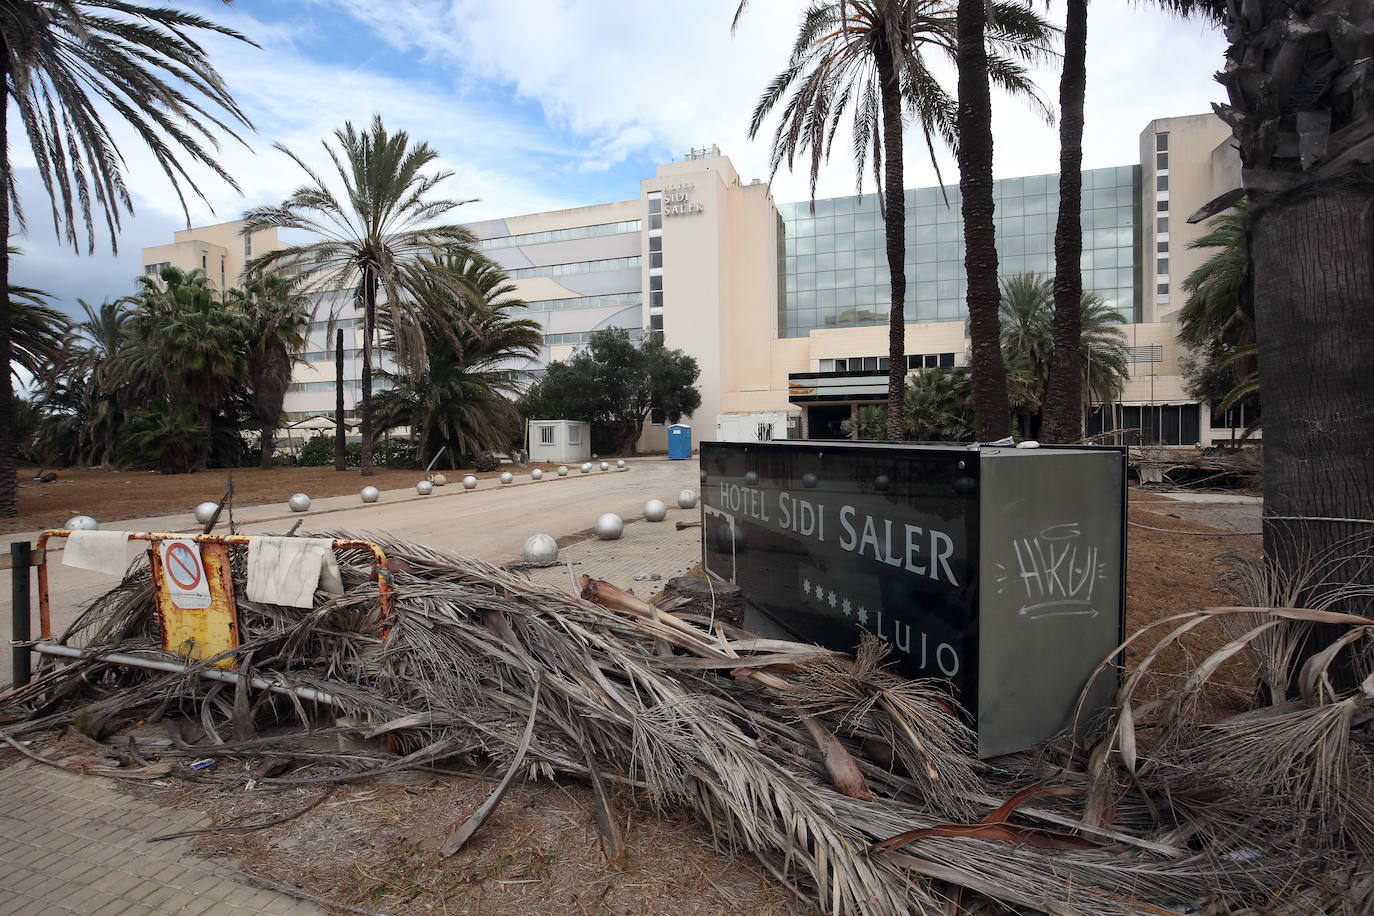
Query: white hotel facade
point(785, 309)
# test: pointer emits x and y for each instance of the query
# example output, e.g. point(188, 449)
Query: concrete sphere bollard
point(586, 467)
point(605, 465)
point(506, 478)
point(299, 503)
point(205, 512)
point(82, 523)
point(469, 482)
point(562, 470)
point(687, 499)
point(536, 474)
point(620, 464)
point(540, 550)
point(438, 479)
point(370, 494)
point(424, 488)
point(609, 527)
point(655, 510)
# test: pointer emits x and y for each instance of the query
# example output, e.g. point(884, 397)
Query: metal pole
point(20, 557)
point(213, 674)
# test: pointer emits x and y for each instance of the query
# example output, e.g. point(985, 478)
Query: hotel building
point(785, 305)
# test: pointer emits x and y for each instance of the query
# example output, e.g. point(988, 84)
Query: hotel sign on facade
point(677, 200)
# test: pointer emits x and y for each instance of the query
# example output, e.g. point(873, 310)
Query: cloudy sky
point(545, 104)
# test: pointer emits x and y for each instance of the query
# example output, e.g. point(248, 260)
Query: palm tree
point(187, 346)
point(1301, 109)
point(869, 54)
point(369, 239)
point(37, 330)
point(1026, 316)
point(278, 316)
point(66, 65)
point(1216, 321)
point(1064, 392)
point(463, 400)
point(939, 406)
point(979, 22)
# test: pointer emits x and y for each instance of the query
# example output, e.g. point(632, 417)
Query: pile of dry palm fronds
point(855, 788)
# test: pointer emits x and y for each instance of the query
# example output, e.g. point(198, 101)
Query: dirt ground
point(374, 846)
point(110, 496)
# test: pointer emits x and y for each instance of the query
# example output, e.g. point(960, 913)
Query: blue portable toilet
point(679, 441)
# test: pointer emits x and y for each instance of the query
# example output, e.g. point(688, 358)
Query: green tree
point(82, 405)
point(278, 316)
point(977, 22)
point(187, 346)
point(939, 406)
point(1026, 316)
point(367, 240)
point(68, 66)
point(869, 54)
point(1215, 322)
point(617, 384)
point(37, 330)
point(464, 399)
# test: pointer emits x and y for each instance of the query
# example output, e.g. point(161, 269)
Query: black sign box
point(998, 569)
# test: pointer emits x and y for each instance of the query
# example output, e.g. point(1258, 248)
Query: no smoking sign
point(185, 574)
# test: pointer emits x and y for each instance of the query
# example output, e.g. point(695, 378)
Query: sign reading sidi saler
point(997, 569)
point(677, 200)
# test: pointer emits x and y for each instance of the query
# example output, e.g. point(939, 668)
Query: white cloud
point(535, 105)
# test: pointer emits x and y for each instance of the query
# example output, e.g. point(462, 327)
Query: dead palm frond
point(477, 663)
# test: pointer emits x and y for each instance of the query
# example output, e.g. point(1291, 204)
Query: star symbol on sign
point(863, 615)
point(806, 586)
point(845, 606)
point(832, 599)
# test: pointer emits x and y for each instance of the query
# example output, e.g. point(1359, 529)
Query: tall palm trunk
point(1314, 321)
point(991, 409)
point(1063, 411)
point(9, 469)
point(894, 218)
point(340, 443)
point(369, 324)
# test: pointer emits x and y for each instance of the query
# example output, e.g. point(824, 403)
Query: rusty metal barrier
point(238, 540)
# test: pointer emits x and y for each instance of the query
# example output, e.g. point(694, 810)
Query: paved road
point(491, 522)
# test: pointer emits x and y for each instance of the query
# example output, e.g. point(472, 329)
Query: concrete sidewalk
point(75, 844)
point(72, 844)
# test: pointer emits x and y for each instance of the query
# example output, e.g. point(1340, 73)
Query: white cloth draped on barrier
point(98, 551)
point(287, 571)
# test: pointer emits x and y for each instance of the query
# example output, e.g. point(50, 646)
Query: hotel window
point(655, 322)
point(656, 292)
point(1162, 266)
point(247, 246)
point(655, 213)
point(1162, 224)
point(1162, 143)
point(1162, 289)
point(655, 251)
point(1163, 247)
point(203, 261)
point(1162, 161)
point(1161, 182)
point(1162, 205)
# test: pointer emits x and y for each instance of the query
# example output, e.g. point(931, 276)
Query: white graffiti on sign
point(1057, 569)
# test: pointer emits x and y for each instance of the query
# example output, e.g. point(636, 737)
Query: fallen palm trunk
point(454, 681)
